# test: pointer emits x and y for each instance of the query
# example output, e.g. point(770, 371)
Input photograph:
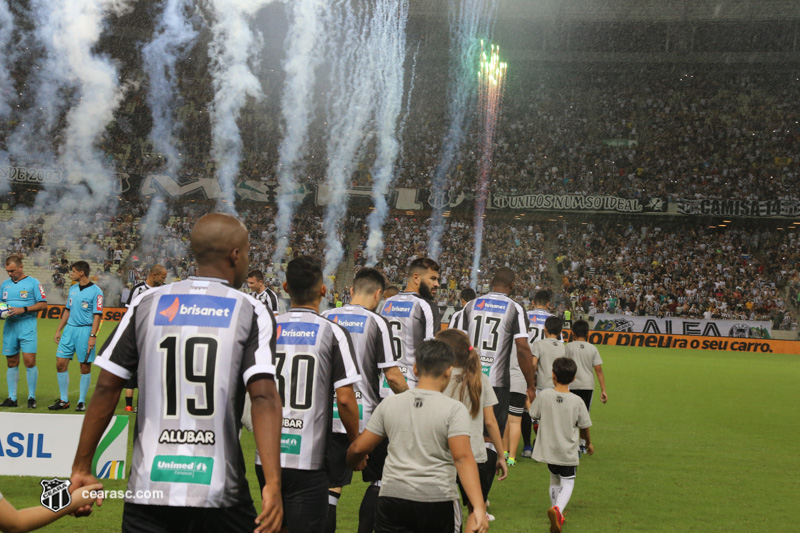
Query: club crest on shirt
point(418, 402)
point(23, 294)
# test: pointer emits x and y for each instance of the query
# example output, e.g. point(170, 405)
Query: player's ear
point(416, 372)
point(285, 287)
point(323, 290)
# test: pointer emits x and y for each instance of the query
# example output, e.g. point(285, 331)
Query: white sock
point(583, 442)
point(567, 485)
point(555, 488)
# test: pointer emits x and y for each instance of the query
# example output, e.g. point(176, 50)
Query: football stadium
point(248, 220)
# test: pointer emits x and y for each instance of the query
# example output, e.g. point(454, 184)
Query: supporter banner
point(645, 340)
point(31, 175)
point(44, 445)
point(752, 208)
point(263, 190)
point(576, 202)
point(683, 326)
point(55, 311)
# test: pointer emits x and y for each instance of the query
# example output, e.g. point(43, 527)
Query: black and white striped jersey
point(137, 289)
point(493, 322)
point(195, 344)
point(372, 342)
point(412, 320)
point(268, 298)
point(314, 357)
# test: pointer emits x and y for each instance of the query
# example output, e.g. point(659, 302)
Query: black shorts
point(133, 381)
point(486, 471)
point(138, 518)
point(339, 474)
point(563, 471)
point(516, 404)
point(397, 515)
point(375, 462)
point(586, 396)
point(501, 407)
point(305, 499)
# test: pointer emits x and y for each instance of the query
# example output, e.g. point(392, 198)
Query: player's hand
point(362, 465)
point(502, 469)
point(480, 523)
point(85, 479)
point(57, 338)
point(604, 397)
point(91, 344)
point(590, 449)
point(271, 517)
point(83, 499)
point(531, 392)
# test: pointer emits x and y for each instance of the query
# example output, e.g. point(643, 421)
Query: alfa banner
point(683, 326)
point(750, 208)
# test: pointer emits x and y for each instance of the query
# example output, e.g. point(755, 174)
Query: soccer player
point(196, 344)
point(25, 297)
point(260, 291)
point(372, 342)
point(467, 295)
point(314, 359)
point(155, 278)
point(495, 324)
point(413, 314)
point(518, 419)
point(563, 418)
point(81, 316)
point(428, 444)
point(587, 358)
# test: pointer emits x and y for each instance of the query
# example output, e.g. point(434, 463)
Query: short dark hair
point(256, 274)
point(541, 297)
point(422, 264)
point(580, 328)
point(303, 278)
point(434, 358)
point(17, 260)
point(553, 325)
point(503, 277)
point(564, 368)
point(390, 291)
point(82, 266)
point(368, 280)
point(468, 294)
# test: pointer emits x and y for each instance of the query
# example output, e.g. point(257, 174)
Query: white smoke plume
point(303, 56)
point(233, 48)
point(350, 108)
point(7, 93)
point(470, 21)
point(389, 28)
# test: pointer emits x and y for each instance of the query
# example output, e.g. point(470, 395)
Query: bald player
point(156, 278)
point(197, 344)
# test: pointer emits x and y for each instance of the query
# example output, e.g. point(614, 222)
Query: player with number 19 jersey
point(493, 322)
point(412, 320)
point(195, 344)
point(314, 357)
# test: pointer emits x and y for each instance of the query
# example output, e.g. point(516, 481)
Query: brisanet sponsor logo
point(491, 306)
point(297, 333)
point(194, 310)
point(352, 323)
point(398, 309)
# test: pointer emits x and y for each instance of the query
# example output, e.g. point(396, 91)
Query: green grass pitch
point(689, 440)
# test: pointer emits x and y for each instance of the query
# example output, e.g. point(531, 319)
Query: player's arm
point(493, 429)
point(468, 474)
point(267, 414)
point(359, 448)
point(527, 364)
point(35, 308)
point(98, 415)
point(598, 369)
point(348, 410)
point(585, 436)
point(61, 324)
point(13, 520)
point(397, 382)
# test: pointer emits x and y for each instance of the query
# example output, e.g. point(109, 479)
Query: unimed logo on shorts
point(194, 310)
point(352, 323)
point(182, 469)
point(290, 444)
point(297, 333)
